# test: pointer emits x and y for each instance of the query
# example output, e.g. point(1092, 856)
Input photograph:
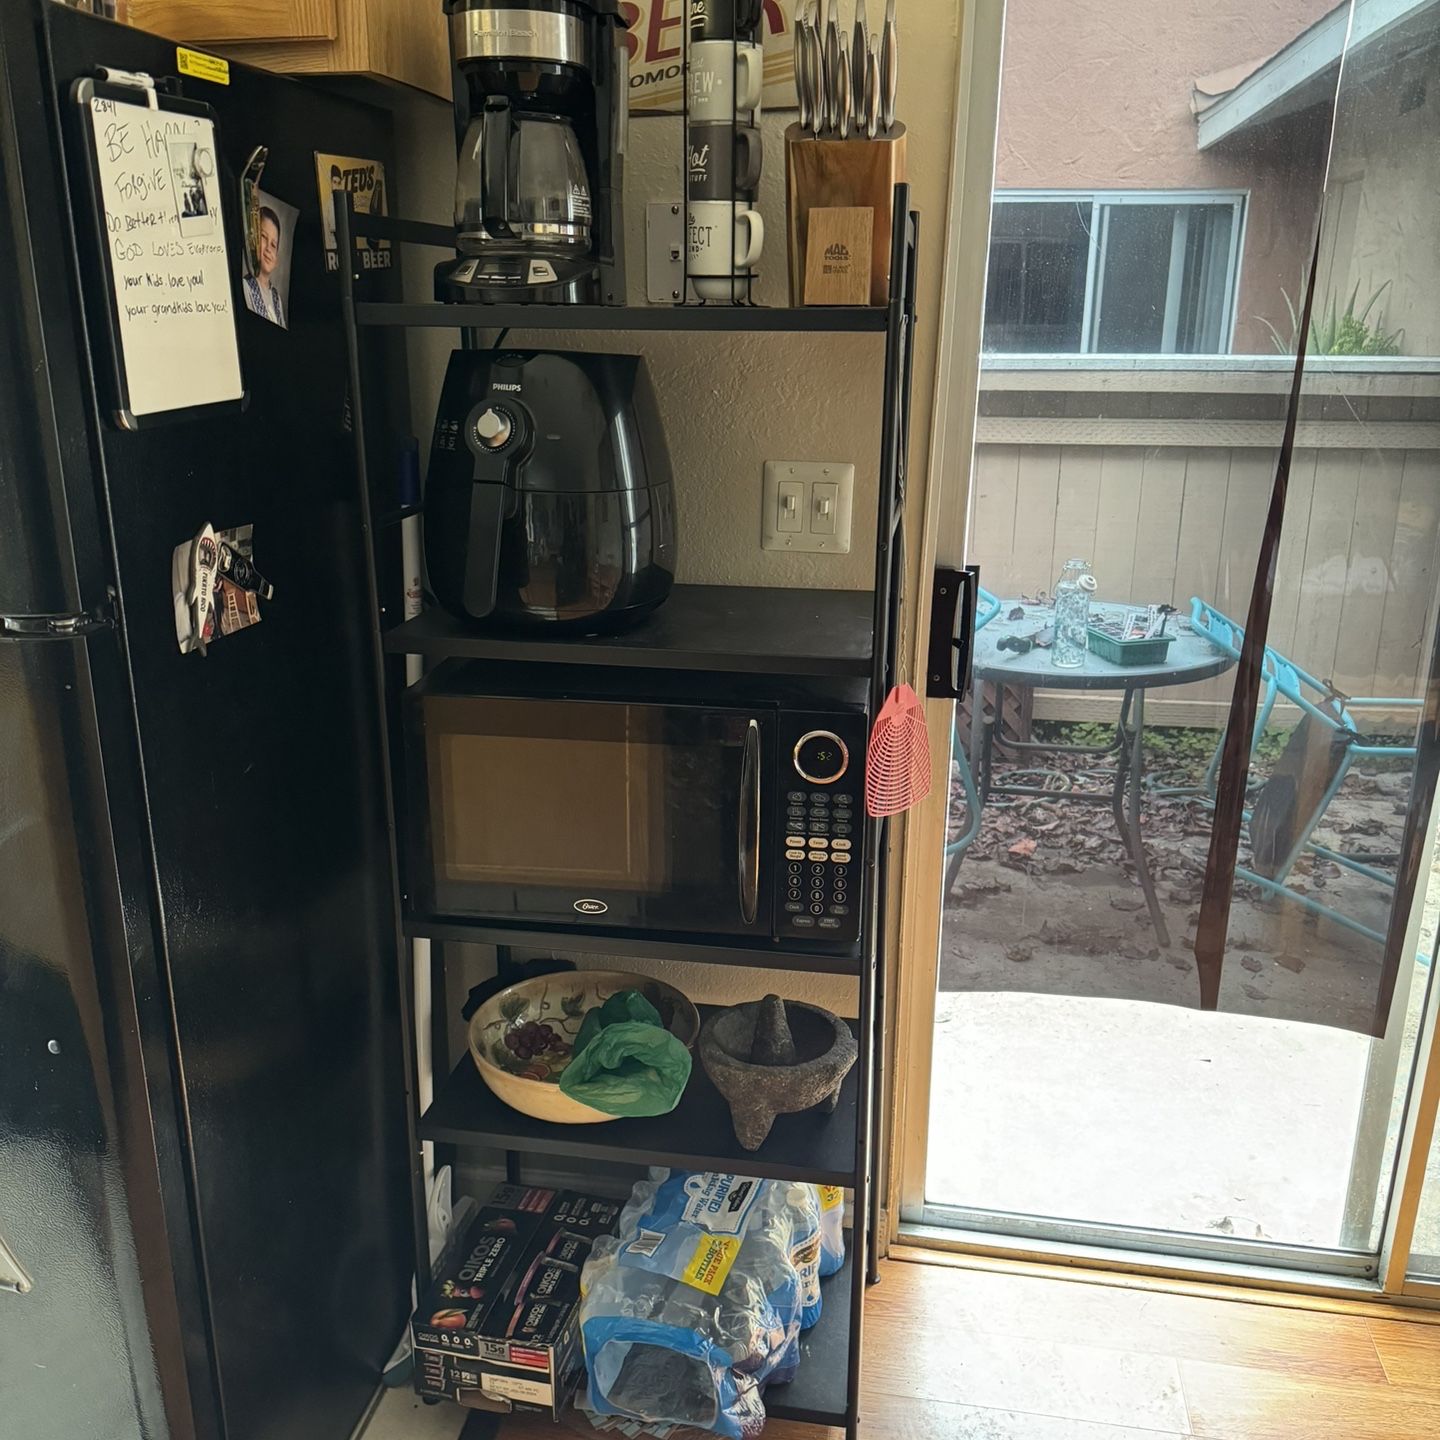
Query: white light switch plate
point(823, 489)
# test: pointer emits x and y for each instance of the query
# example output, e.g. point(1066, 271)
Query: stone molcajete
point(775, 1057)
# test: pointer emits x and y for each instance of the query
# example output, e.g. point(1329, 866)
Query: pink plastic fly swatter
point(897, 762)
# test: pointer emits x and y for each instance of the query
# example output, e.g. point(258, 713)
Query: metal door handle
point(952, 632)
point(748, 837)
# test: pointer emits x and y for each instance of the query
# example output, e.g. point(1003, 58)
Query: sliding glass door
point(1151, 244)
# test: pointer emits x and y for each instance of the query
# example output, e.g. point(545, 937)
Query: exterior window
point(1131, 273)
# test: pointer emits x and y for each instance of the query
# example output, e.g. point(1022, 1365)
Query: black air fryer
point(549, 502)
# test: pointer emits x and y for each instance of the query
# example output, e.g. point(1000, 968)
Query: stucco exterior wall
point(1385, 211)
point(1096, 95)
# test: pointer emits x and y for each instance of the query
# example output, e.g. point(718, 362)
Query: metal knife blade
point(844, 99)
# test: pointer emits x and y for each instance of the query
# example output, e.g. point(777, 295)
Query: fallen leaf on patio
point(1251, 964)
point(1254, 992)
point(1024, 848)
point(1020, 953)
point(1292, 963)
point(987, 885)
point(1131, 951)
point(1126, 902)
point(1178, 961)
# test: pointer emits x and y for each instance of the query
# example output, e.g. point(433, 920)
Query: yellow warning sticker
point(830, 1196)
point(202, 66)
point(711, 1262)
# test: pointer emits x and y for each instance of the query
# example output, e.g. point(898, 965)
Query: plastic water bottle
point(1072, 614)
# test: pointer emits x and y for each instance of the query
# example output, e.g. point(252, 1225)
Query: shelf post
point(404, 962)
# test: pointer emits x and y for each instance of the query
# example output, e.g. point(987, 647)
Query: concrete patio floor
point(1135, 1113)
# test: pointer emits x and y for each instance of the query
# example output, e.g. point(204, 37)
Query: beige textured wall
point(1096, 94)
point(731, 402)
point(1385, 214)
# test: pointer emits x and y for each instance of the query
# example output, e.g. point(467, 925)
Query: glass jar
point(1072, 614)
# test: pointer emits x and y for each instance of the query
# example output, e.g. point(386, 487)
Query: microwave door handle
point(749, 824)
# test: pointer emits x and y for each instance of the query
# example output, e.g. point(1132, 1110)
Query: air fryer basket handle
point(495, 166)
point(488, 504)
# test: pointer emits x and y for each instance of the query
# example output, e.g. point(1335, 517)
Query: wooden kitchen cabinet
point(396, 40)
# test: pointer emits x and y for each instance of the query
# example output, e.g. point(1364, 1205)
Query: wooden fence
point(1163, 512)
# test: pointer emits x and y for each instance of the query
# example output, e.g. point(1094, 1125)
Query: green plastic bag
point(625, 1062)
point(623, 1005)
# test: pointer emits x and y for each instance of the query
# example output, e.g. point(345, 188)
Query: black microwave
point(683, 803)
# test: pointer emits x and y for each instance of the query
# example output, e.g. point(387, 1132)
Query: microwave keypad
point(819, 840)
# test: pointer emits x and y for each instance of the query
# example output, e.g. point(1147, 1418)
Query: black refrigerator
point(206, 1222)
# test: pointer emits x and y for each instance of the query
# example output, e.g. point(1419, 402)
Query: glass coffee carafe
point(521, 185)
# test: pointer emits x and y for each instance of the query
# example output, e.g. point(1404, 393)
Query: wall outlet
point(807, 506)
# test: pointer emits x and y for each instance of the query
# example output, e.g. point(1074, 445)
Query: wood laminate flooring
point(954, 1353)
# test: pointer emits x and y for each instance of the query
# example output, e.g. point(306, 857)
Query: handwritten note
point(165, 234)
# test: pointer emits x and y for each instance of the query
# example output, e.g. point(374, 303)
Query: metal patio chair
point(1323, 706)
point(987, 607)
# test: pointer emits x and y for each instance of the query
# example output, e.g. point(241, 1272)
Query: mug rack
point(740, 279)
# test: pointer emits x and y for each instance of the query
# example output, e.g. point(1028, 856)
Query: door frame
point(921, 847)
point(952, 443)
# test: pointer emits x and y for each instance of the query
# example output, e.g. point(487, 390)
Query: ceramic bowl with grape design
point(523, 1037)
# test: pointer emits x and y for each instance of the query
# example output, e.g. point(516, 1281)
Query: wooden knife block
point(822, 174)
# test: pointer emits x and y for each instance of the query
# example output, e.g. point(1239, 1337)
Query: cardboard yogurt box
point(500, 1330)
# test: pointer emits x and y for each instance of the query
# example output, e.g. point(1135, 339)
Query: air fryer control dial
point(821, 757)
point(492, 429)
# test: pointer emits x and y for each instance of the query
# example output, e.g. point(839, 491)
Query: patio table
point(1190, 657)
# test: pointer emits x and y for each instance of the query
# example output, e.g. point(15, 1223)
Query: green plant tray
point(1129, 652)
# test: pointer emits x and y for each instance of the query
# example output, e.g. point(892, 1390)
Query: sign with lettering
point(656, 42)
point(364, 182)
point(162, 225)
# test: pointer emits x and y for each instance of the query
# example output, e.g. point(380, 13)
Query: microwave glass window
point(579, 808)
point(539, 806)
point(580, 796)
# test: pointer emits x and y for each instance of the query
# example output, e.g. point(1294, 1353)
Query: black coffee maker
point(541, 91)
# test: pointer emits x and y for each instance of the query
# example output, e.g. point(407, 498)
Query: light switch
point(790, 497)
point(806, 506)
point(824, 501)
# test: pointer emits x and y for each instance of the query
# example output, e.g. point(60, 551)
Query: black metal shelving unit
point(756, 630)
point(701, 627)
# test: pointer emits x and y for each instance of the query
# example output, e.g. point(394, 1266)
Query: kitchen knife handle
point(889, 73)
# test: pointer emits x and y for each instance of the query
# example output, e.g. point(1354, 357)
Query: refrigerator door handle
point(57, 627)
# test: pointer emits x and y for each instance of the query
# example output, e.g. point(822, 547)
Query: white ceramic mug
point(725, 240)
point(726, 77)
